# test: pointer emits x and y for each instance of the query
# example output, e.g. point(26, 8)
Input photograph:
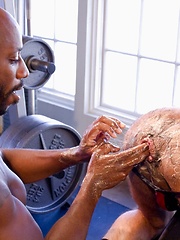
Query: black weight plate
point(21, 127)
point(39, 49)
point(40, 132)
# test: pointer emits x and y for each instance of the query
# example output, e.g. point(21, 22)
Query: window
point(116, 57)
point(138, 55)
point(55, 21)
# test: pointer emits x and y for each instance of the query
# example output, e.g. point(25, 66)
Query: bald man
point(154, 183)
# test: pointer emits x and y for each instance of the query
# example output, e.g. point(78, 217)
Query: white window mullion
point(176, 89)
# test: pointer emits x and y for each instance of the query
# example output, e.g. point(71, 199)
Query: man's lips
point(18, 87)
point(13, 98)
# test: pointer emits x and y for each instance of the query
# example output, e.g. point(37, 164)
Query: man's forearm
point(74, 225)
point(33, 165)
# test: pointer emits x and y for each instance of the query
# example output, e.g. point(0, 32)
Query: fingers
point(106, 148)
point(127, 158)
point(134, 155)
point(110, 125)
point(114, 122)
point(137, 149)
point(109, 168)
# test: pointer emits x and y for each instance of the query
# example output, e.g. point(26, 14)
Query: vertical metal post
point(31, 103)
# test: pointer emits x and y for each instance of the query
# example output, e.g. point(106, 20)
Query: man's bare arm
point(32, 165)
point(104, 171)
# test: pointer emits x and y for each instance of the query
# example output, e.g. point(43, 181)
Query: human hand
point(98, 132)
point(107, 169)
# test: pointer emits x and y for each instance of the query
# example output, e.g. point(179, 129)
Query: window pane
point(147, 30)
point(42, 18)
point(159, 29)
point(119, 85)
point(56, 22)
point(155, 85)
point(65, 74)
point(66, 20)
point(122, 25)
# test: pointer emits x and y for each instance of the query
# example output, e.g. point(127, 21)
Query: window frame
point(89, 36)
point(86, 106)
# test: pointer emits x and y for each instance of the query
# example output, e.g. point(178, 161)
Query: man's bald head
point(8, 27)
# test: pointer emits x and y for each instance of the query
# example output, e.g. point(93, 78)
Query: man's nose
point(22, 71)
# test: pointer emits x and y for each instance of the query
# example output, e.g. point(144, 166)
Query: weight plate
point(40, 132)
point(39, 59)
